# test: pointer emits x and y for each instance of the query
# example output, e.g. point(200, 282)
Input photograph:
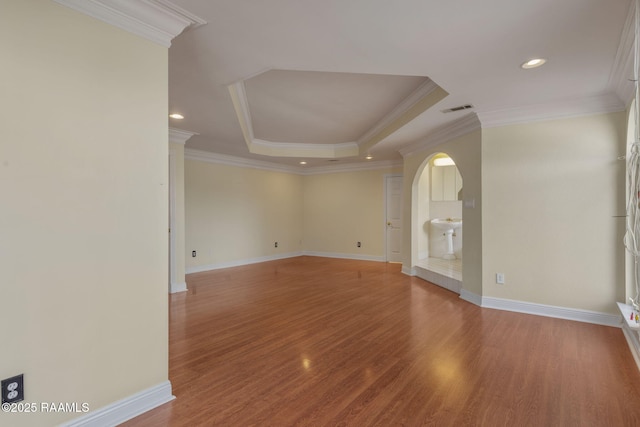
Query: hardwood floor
point(316, 341)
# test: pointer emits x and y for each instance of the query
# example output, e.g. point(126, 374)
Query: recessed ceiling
point(314, 107)
point(472, 50)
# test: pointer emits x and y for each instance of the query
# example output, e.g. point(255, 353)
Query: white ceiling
point(310, 107)
point(338, 66)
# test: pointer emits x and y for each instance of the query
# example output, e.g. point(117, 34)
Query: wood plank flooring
point(314, 341)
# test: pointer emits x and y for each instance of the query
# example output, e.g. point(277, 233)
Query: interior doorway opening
point(439, 219)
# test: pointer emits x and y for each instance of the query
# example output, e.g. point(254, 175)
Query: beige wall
point(341, 209)
point(466, 152)
point(83, 184)
point(545, 195)
point(235, 214)
point(550, 194)
point(176, 167)
point(422, 232)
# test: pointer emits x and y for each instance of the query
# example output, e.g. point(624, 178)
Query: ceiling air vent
point(460, 108)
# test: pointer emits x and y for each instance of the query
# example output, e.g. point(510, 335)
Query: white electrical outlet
point(500, 278)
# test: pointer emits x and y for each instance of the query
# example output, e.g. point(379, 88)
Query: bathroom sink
point(447, 223)
point(447, 226)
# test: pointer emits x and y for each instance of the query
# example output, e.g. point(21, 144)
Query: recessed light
point(533, 63)
point(369, 157)
point(176, 116)
point(303, 162)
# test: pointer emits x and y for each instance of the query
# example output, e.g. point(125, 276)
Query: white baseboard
point(178, 287)
point(240, 262)
point(125, 409)
point(248, 261)
point(344, 256)
point(471, 297)
point(632, 341)
point(586, 316)
point(408, 271)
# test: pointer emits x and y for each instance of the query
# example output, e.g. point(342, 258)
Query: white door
point(393, 191)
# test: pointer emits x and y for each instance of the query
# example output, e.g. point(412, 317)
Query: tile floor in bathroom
point(449, 268)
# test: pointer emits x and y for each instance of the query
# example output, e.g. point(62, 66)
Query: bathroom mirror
point(446, 183)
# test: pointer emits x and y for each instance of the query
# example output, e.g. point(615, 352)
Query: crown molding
point(281, 149)
point(423, 90)
point(241, 106)
point(179, 136)
point(428, 96)
point(286, 149)
point(421, 99)
point(599, 104)
point(621, 77)
point(157, 20)
point(352, 167)
point(455, 129)
point(224, 159)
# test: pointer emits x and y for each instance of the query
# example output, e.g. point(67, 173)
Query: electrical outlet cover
point(13, 389)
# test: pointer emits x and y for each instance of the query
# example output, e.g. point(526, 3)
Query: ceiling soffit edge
point(455, 129)
point(600, 104)
point(421, 99)
point(159, 21)
point(241, 107)
point(179, 136)
point(423, 90)
point(284, 149)
point(209, 157)
point(414, 111)
point(621, 77)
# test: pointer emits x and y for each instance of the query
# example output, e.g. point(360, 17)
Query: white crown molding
point(224, 159)
point(206, 156)
point(599, 104)
point(455, 129)
point(309, 150)
point(620, 79)
point(241, 106)
point(281, 149)
point(423, 90)
point(179, 136)
point(157, 20)
point(118, 412)
point(387, 125)
point(351, 167)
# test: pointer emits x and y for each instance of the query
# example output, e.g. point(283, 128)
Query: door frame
point(384, 224)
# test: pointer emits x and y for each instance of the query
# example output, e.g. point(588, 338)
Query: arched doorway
point(439, 226)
